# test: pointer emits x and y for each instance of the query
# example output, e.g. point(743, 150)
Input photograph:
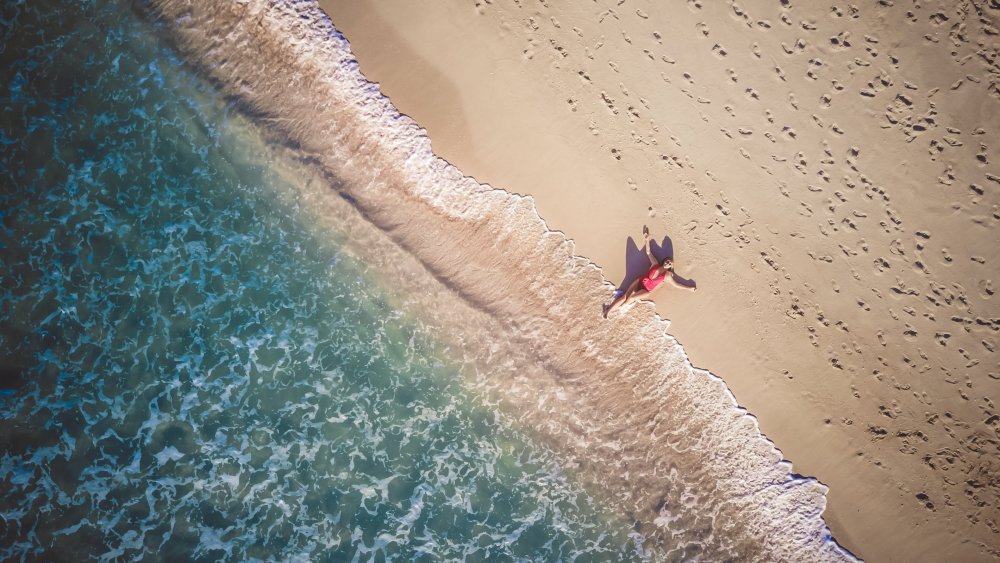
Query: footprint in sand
point(816, 63)
point(841, 41)
point(800, 162)
point(609, 102)
point(529, 53)
point(925, 500)
point(738, 13)
point(986, 288)
point(981, 156)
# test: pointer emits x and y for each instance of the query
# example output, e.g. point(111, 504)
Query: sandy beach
point(826, 173)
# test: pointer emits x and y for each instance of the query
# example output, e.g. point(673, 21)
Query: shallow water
point(191, 369)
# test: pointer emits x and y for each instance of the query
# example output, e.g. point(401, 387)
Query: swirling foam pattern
point(190, 372)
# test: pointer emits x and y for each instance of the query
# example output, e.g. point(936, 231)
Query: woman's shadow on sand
point(637, 263)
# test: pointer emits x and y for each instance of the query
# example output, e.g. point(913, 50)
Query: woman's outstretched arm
point(649, 253)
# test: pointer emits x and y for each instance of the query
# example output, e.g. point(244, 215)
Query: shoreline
point(813, 369)
point(489, 245)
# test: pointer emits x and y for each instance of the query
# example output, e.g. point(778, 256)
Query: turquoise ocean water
point(192, 369)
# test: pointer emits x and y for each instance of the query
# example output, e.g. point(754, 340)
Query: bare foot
point(604, 310)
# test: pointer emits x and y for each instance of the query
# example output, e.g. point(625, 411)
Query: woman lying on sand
point(657, 274)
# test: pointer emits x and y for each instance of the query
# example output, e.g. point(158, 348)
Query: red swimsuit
point(654, 278)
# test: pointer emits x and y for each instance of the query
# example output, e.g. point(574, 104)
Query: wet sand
point(828, 176)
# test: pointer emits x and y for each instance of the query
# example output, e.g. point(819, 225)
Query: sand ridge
point(826, 172)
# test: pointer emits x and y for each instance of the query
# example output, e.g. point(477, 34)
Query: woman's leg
point(623, 298)
point(636, 294)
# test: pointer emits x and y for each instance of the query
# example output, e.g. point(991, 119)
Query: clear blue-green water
point(192, 370)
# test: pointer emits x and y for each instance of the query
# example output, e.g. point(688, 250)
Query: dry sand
point(828, 174)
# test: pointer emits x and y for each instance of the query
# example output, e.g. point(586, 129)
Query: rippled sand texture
point(827, 173)
point(664, 443)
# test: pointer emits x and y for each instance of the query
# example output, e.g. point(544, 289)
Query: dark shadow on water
point(637, 263)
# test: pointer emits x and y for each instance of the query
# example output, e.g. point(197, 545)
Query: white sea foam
point(621, 401)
